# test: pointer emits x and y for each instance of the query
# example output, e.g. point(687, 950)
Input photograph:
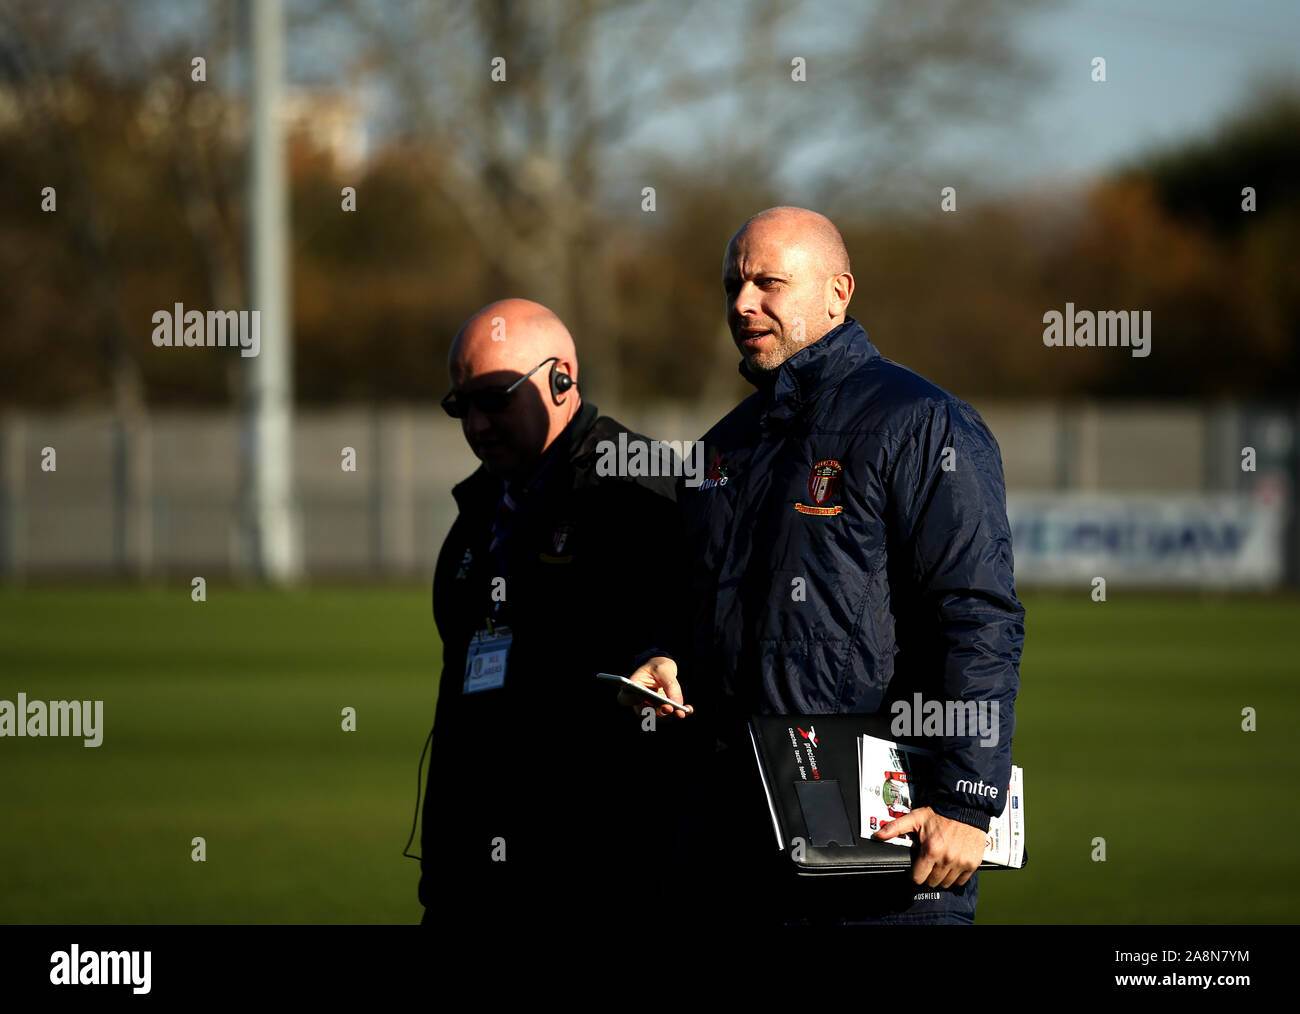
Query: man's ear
point(839, 290)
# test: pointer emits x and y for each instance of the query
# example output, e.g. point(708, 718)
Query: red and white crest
point(823, 479)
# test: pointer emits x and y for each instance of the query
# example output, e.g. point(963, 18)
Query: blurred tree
point(1200, 184)
point(532, 186)
point(147, 173)
point(535, 119)
point(1200, 181)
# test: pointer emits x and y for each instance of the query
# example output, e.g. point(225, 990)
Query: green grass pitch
point(222, 720)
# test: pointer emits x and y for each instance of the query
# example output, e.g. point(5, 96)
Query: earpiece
point(560, 382)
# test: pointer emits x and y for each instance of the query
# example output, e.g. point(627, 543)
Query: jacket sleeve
point(649, 536)
point(949, 499)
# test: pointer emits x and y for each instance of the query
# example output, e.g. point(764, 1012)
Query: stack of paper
point(892, 781)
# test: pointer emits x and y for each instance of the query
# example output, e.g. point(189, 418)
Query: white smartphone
point(646, 692)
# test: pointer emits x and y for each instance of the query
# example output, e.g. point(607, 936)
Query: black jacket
point(546, 767)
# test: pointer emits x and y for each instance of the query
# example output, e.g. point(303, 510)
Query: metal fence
point(159, 494)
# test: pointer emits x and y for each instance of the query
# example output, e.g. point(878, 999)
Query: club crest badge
point(823, 481)
point(559, 540)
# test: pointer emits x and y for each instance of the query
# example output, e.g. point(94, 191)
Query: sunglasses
point(489, 399)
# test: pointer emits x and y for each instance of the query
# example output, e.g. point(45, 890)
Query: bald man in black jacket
point(554, 570)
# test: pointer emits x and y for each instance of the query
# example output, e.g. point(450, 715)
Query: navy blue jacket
point(837, 564)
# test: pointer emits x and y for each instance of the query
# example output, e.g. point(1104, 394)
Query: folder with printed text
point(831, 780)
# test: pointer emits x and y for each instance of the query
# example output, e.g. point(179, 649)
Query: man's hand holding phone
point(655, 685)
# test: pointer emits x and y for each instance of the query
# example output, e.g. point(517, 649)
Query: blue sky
point(1174, 68)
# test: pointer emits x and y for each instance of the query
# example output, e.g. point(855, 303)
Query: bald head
point(787, 281)
point(509, 334)
point(798, 227)
point(502, 344)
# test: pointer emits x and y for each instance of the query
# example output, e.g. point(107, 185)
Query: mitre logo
point(717, 474)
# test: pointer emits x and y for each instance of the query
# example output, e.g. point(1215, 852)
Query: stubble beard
point(771, 361)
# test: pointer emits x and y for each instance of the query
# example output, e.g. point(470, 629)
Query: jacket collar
point(811, 371)
point(483, 485)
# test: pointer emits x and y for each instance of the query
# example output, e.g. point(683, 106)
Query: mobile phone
point(646, 692)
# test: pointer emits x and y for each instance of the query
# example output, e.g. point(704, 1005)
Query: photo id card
point(485, 665)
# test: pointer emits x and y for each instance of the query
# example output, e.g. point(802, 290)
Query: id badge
point(485, 665)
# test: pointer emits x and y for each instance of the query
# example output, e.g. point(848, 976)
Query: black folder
point(813, 793)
